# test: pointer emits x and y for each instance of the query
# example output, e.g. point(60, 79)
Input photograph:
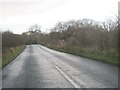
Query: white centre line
point(75, 85)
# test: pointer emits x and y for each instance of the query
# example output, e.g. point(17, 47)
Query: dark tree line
point(0, 42)
point(78, 35)
point(84, 34)
point(10, 39)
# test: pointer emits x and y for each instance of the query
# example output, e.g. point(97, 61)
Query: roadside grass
point(99, 56)
point(9, 56)
point(106, 57)
point(0, 62)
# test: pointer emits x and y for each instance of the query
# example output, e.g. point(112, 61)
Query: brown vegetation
point(84, 37)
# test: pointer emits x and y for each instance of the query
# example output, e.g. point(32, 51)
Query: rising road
point(41, 67)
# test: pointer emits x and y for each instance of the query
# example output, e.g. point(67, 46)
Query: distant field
point(9, 56)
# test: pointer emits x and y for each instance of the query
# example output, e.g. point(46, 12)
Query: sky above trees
point(18, 15)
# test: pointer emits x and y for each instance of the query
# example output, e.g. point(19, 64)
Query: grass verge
point(99, 56)
point(0, 62)
point(9, 56)
point(103, 57)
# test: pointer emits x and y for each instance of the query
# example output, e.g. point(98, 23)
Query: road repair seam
point(75, 85)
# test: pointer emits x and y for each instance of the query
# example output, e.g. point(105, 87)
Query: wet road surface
point(40, 67)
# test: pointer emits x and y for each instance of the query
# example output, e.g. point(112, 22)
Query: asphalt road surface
point(40, 67)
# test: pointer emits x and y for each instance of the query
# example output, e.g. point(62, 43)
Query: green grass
point(104, 57)
point(9, 56)
point(99, 56)
point(0, 62)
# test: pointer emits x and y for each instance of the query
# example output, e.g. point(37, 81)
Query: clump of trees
point(32, 36)
point(10, 39)
point(84, 34)
point(0, 43)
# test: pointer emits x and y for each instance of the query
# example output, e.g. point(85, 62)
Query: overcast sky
point(18, 15)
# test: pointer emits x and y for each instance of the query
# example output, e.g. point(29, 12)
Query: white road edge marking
point(68, 78)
